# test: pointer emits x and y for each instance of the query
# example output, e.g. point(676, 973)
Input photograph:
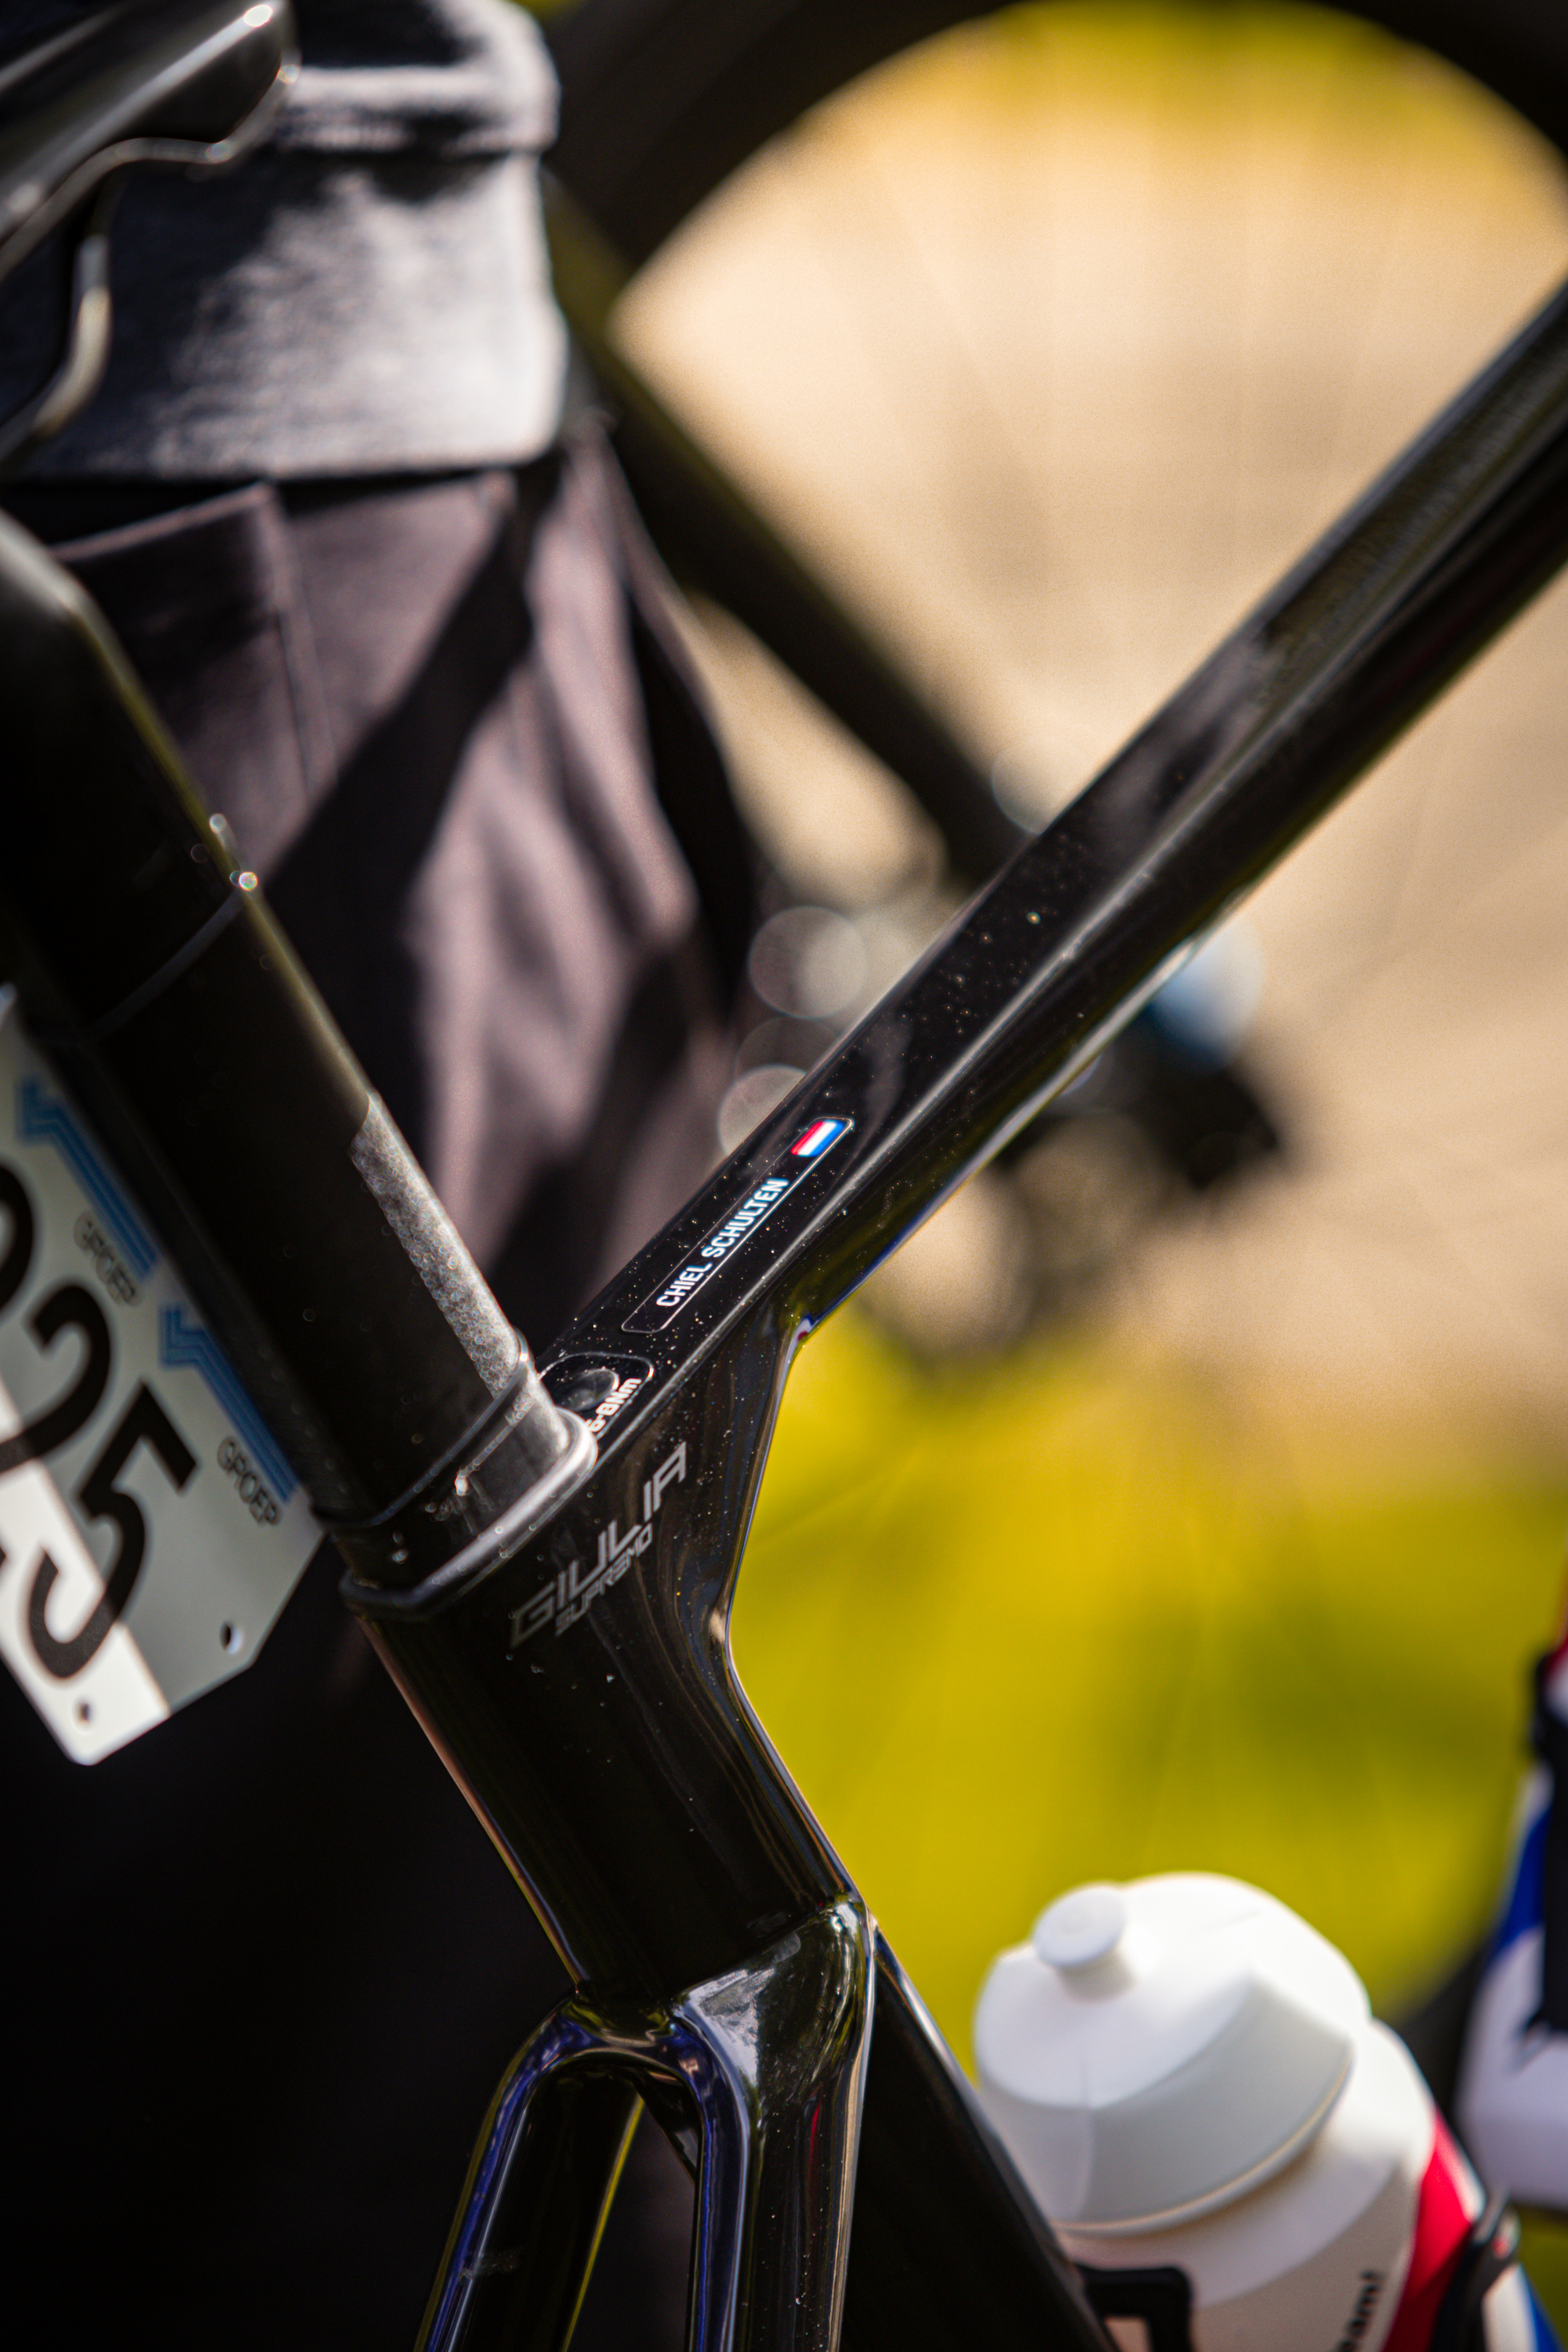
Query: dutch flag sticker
point(816, 1139)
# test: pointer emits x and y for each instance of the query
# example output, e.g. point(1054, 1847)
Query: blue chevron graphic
point(42, 1118)
point(180, 1342)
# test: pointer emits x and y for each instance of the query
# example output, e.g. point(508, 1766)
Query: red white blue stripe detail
point(816, 1139)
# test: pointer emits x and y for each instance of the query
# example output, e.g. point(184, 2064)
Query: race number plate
point(150, 1529)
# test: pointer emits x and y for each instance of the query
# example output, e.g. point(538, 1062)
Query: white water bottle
point(1238, 2158)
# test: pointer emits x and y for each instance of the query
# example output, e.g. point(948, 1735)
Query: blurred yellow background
point(1059, 1618)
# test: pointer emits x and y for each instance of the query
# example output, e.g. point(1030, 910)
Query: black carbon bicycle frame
point(549, 1578)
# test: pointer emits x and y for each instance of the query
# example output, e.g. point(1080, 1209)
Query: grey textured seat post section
point(368, 293)
point(431, 1239)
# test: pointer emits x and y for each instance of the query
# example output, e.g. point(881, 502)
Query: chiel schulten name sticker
point(663, 1305)
point(150, 1529)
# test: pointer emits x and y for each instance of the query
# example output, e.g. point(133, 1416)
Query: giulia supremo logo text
point(573, 1590)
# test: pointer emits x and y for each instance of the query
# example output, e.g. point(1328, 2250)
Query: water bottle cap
point(1083, 1928)
point(1158, 2049)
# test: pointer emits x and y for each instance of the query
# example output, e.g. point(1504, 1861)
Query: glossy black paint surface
point(625, 1732)
point(760, 2076)
point(949, 2247)
point(539, 2192)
